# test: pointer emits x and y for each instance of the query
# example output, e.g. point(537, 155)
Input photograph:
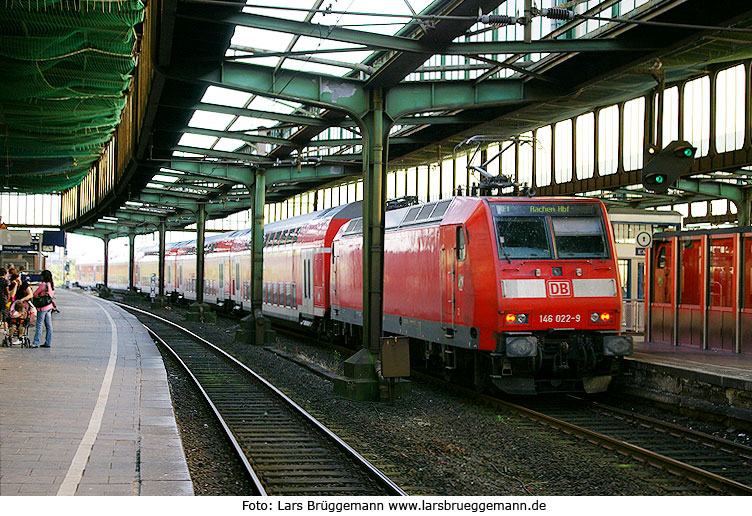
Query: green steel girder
point(417, 97)
point(235, 135)
point(240, 156)
point(177, 195)
point(177, 185)
point(240, 174)
point(713, 189)
point(255, 113)
point(402, 44)
point(328, 92)
point(349, 96)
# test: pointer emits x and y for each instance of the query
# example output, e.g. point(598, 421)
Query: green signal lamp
point(663, 168)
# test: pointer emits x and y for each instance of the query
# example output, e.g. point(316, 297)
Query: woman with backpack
point(42, 300)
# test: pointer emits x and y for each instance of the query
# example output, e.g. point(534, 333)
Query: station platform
point(91, 415)
point(717, 382)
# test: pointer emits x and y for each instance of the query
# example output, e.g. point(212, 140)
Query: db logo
point(559, 289)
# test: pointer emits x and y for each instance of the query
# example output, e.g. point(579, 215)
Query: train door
point(307, 294)
point(236, 282)
point(221, 291)
point(662, 292)
point(452, 254)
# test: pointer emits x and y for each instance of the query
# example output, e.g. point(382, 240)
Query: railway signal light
point(664, 167)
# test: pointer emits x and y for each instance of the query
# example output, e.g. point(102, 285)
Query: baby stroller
point(18, 328)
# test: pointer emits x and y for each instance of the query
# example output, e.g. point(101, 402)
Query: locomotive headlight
point(522, 346)
point(617, 345)
point(516, 318)
point(602, 317)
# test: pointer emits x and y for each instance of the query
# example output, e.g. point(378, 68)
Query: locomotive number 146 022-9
point(559, 318)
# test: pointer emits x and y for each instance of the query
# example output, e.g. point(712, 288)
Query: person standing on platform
point(43, 296)
point(4, 300)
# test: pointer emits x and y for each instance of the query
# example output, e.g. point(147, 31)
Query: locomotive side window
point(460, 243)
point(522, 237)
point(579, 237)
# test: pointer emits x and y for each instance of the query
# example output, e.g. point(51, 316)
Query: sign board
point(153, 286)
point(18, 238)
point(644, 239)
point(48, 248)
point(639, 251)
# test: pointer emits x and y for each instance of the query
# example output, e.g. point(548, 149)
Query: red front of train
point(521, 292)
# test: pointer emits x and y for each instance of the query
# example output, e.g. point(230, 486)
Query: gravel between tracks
point(430, 443)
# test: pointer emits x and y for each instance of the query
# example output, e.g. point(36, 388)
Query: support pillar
point(744, 209)
point(159, 301)
point(254, 328)
point(104, 292)
point(200, 311)
point(361, 379)
point(131, 264)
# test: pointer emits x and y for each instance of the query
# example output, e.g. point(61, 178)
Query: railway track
point(708, 460)
point(284, 449)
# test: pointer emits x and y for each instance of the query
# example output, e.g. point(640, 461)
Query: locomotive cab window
point(579, 237)
point(460, 244)
point(522, 237)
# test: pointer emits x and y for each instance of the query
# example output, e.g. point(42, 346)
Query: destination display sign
point(540, 209)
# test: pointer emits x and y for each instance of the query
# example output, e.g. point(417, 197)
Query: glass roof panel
point(376, 24)
point(271, 40)
point(197, 140)
point(244, 123)
point(280, 13)
point(228, 144)
point(273, 105)
point(208, 120)
point(225, 97)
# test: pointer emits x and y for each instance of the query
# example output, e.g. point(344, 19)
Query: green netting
point(64, 68)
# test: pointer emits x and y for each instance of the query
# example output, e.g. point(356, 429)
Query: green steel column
point(744, 209)
point(200, 237)
point(106, 241)
point(131, 260)
point(161, 274)
point(257, 265)
point(374, 171)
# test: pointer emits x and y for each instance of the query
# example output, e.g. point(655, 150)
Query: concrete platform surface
point(91, 415)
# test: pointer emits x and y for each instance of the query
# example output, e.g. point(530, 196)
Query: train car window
point(722, 272)
point(460, 244)
point(579, 237)
point(660, 261)
point(692, 276)
point(522, 237)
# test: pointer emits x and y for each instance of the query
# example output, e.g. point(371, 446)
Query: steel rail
point(236, 446)
point(385, 482)
point(658, 460)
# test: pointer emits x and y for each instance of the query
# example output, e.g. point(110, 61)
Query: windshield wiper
point(501, 248)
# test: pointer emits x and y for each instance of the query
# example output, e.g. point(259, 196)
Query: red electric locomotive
point(521, 292)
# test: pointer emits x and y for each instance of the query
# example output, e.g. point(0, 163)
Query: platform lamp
point(664, 168)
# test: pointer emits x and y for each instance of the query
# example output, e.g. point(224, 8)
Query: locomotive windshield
point(579, 237)
point(546, 231)
point(523, 237)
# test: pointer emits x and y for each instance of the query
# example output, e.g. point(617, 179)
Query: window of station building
point(460, 170)
point(697, 114)
point(422, 184)
point(729, 116)
point(663, 266)
point(411, 186)
point(509, 160)
point(563, 151)
point(585, 149)
point(690, 292)
point(608, 140)
point(525, 163)
point(624, 276)
point(634, 131)
point(447, 178)
point(434, 182)
point(670, 116)
point(400, 183)
point(747, 268)
point(722, 277)
point(543, 143)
